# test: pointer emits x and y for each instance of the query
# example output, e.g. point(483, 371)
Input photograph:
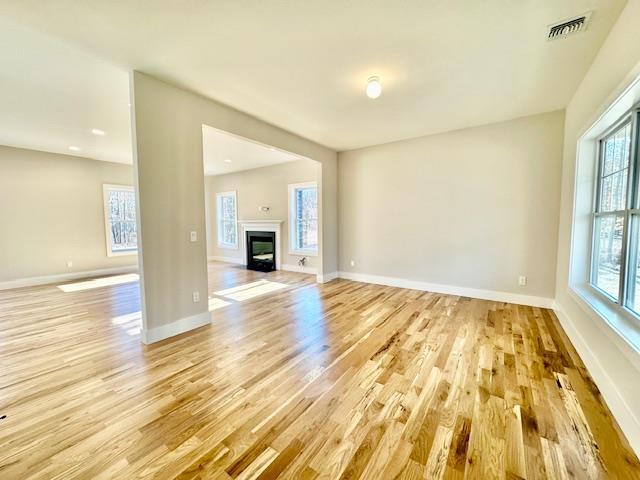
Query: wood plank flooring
point(298, 380)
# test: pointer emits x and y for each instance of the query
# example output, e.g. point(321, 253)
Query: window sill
point(123, 253)
point(304, 253)
point(228, 247)
point(619, 319)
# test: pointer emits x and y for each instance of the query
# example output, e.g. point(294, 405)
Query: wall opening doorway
point(263, 218)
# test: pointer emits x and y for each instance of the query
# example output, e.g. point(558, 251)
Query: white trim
point(298, 268)
point(219, 196)
point(620, 324)
point(64, 277)
point(324, 278)
point(302, 253)
point(285, 267)
point(497, 296)
point(136, 182)
point(292, 187)
point(628, 422)
point(107, 228)
point(215, 258)
point(175, 328)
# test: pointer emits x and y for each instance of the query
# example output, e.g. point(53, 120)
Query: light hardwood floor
point(342, 380)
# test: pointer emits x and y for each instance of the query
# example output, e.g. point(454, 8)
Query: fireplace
point(261, 251)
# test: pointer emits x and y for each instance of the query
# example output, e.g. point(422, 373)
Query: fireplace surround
point(261, 226)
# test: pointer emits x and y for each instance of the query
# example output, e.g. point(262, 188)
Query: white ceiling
point(303, 64)
point(217, 146)
point(52, 95)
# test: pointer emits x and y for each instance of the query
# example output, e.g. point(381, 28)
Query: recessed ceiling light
point(97, 131)
point(73, 148)
point(374, 87)
point(227, 160)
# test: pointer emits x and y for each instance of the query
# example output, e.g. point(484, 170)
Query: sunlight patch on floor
point(134, 331)
point(216, 303)
point(131, 322)
point(244, 286)
point(129, 317)
point(251, 290)
point(99, 282)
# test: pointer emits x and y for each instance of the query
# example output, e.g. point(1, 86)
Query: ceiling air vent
point(568, 27)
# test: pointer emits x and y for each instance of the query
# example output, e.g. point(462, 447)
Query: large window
point(303, 218)
point(120, 220)
point(616, 228)
point(227, 220)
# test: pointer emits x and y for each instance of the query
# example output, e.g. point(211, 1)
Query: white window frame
point(219, 196)
point(107, 224)
point(630, 213)
point(293, 230)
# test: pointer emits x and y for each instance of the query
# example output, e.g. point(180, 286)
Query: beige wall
point(612, 362)
point(51, 211)
point(472, 208)
point(254, 188)
point(167, 131)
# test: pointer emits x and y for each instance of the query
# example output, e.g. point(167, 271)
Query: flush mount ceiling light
point(98, 132)
point(374, 87)
point(73, 148)
point(227, 160)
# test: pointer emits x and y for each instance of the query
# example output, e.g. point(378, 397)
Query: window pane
point(614, 191)
point(607, 253)
point(615, 168)
point(633, 277)
point(226, 208)
point(306, 210)
point(228, 232)
point(121, 205)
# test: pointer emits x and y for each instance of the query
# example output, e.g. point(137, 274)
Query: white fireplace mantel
point(264, 225)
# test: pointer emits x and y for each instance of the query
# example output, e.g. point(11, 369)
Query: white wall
point(610, 360)
point(254, 188)
point(167, 130)
point(473, 208)
point(51, 211)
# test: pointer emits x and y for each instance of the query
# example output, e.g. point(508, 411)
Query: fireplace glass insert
point(261, 251)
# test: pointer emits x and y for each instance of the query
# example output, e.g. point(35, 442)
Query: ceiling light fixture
point(99, 132)
point(73, 148)
point(227, 160)
point(374, 87)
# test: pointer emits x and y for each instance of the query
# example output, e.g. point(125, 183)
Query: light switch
point(194, 236)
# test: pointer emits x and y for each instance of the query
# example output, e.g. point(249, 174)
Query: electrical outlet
point(194, 236)
point(353, 263)
point(69, 263)
point(522, 280)
point(196, 297)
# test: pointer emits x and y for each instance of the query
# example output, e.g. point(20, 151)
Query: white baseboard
point(65, 277)
point(298, 268)
point(237, 261)
point(288, 268)
point(615, 400)
point(493, 295)
point(177, 327)
point(327, 277)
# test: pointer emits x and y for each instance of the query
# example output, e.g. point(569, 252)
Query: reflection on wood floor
point(297, 380)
